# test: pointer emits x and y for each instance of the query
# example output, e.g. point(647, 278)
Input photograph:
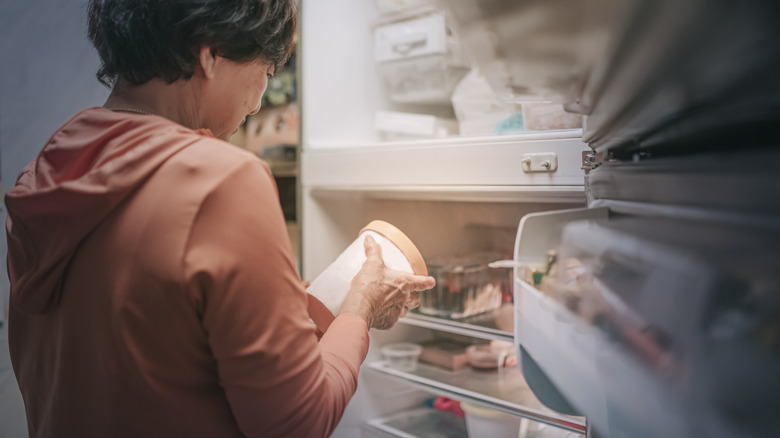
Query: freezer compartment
point(656, 326)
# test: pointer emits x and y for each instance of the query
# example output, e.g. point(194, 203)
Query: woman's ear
point(207, 59)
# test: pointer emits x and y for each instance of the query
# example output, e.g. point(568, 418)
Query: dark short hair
point(139, 40)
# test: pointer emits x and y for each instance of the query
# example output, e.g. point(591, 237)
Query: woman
point(154, 291)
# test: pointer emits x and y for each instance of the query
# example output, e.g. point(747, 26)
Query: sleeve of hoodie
point(278, 379)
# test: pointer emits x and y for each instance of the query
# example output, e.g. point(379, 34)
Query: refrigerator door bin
point(649, 324)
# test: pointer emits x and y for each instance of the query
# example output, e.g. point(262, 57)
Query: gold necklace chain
point(130, 110)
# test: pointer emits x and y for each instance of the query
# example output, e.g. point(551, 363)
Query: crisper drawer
point(651, 326)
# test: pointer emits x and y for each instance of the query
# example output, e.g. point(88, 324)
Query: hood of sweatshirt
point(88, 167)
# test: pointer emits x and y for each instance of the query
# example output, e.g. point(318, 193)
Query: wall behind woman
point(47, 74)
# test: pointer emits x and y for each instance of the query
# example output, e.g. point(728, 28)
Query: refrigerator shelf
point(504, 391)
point(490, 326)
point(459, 141)
point(459, 162)
point(456, 193)
point(422, 422)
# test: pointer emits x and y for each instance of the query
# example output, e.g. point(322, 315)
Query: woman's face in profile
point(237, 92)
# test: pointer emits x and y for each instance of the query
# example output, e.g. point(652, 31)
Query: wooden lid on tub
point(402, 242)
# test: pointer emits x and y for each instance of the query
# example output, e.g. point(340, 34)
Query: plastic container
point(402, 356)
point(483, 422)
point(465, 286)
point(490, 356)
point(328, 290)
point(476, 106)
point(548, 115)
point(419, 59)
point(394, 125)
point(424, 80)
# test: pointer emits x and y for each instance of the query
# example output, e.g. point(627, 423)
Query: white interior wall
point(47, 74)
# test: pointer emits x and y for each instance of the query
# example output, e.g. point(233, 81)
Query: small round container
point(328, 290)
point(402, 356)
point(483, 422)
point(483, 357)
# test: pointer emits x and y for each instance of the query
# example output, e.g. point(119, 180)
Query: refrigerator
point(660, 215)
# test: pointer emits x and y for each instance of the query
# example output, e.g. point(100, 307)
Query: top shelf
point(455, 141)
point(457, 161)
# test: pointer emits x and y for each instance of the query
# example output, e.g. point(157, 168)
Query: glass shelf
point(423, 422)
point(504, 390)
point(495, 325)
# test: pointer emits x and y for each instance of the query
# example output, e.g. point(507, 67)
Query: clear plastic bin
point(419, 59)
point(476, 106)
point(394, 125)
point(548, 115)
point(465, 286)
point(423, 80)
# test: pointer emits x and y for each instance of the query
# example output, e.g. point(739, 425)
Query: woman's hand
point(380, 295)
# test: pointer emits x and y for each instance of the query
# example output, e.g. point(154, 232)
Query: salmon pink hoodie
point(154, 291)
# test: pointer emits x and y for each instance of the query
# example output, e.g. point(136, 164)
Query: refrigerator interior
point(452, 196)
point(680, 106)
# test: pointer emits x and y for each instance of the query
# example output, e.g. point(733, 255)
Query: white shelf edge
point(326, 147)
point(473, 193)
point(447, 390)
point(475, 332)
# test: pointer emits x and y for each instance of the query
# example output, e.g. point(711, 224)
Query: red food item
point(448, 404)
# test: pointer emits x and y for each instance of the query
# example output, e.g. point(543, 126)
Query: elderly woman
point(154, 292)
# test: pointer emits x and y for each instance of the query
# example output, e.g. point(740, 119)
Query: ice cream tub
point(328, 291)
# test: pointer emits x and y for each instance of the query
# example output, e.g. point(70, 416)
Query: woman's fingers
point(419, 283)
point(413, 301)
point(389, 294)
point(373, 250)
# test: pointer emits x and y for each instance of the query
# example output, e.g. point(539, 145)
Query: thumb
point(373, 249)
point(422, 282)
